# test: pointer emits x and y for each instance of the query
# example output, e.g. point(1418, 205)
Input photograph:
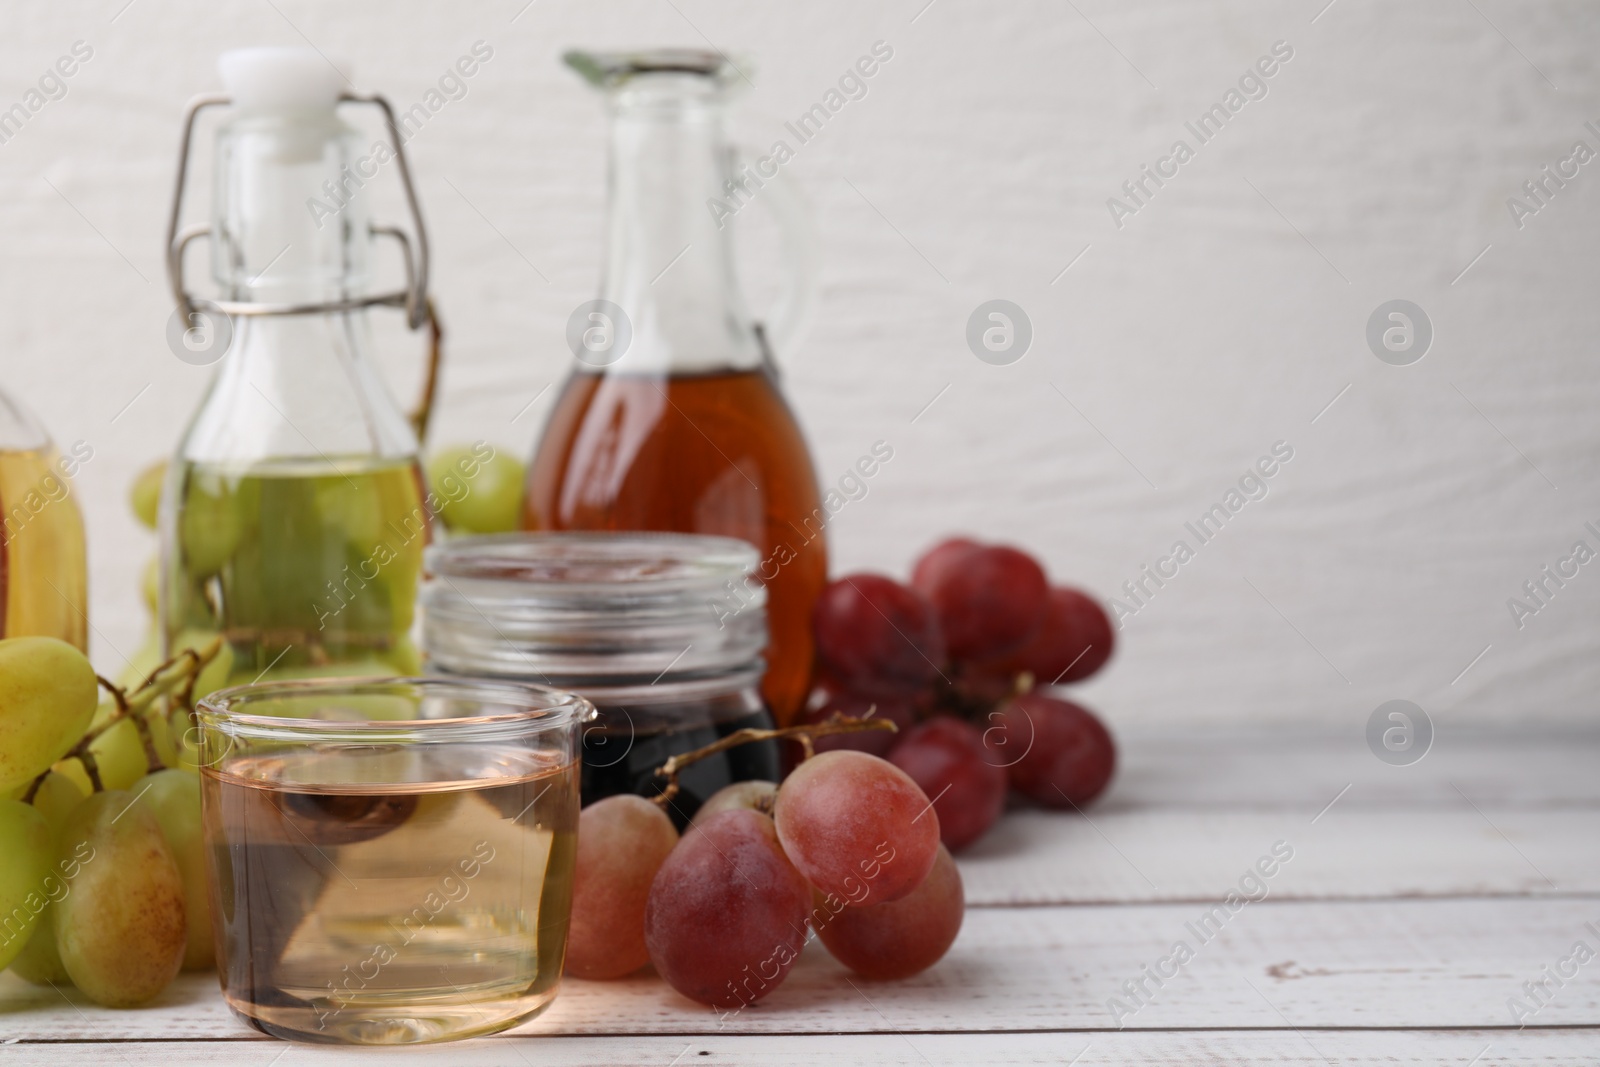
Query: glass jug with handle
point(672, 418)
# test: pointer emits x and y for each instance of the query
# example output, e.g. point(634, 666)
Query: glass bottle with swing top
point(294, 516)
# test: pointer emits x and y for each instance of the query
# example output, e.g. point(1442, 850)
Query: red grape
point(728, 913)
point(932, 564)
point(947, 759)
point(902, 937)
point(830, 698)
point(988, 600)
point(622, 842)
point(1073, 641)
point(857, 826)
point(874, 633)
point(1066, 754)
point(755, 794)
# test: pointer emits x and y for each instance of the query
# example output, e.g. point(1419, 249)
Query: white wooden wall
point(1224, 316)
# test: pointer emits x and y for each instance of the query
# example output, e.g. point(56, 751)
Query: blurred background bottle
point(293, 516)
point(43, 566)
point(672, 418)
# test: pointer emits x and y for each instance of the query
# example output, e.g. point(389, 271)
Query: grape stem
point(152, 760)
point(176, 676)
point(975, 706)
point(172, 676)
point(806, 735)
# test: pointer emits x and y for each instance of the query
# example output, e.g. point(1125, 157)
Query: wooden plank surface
point(1479, 815)
point(1441, 963)
point(1271, 769)
point(1421, 899)
point(1312, 1048)
point(1350, 852)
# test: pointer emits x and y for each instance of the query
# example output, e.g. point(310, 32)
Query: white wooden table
point(1415, 907)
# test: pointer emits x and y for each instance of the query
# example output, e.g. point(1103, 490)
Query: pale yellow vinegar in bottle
point(43, 563)
point(306, 568)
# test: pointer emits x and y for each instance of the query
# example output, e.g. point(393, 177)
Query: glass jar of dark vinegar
point(664, 633)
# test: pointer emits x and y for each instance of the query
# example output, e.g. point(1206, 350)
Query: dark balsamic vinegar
point(621, 754)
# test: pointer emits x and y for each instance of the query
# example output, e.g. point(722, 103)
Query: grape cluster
point(850, 847)
point(103, 880)
point(102, 852)
point(955, 659)
point(846, 849)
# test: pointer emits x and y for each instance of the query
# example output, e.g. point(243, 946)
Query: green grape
point(56, 796)
point(151, 585)
point(103, 711)
point(404, 659)
point(25, 844)
point(350, 508)
point(161, 736)
point(145, 660)
point(407, 516)
point(266, 585)
point(188, 601)
point(182, 733)
point(395, 589)
point(47, 697)
point(73, 768)
point(214, 675)
point(40, 960)
point(120, 927)
point(480, 488)
point(119, 755)
point(146, 493)
point(212, 523)
point(174, 798)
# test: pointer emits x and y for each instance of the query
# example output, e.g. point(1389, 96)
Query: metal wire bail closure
point(414, 297)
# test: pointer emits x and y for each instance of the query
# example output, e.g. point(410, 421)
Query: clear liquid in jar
point(391, 894)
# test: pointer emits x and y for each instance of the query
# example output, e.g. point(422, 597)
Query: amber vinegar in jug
point(672, 418)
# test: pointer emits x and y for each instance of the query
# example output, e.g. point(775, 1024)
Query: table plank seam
point(691, 1034)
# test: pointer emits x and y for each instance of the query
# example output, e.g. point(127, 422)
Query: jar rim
point(605, 690)
point(541, 709)
point(572, 564)
point(626, 606)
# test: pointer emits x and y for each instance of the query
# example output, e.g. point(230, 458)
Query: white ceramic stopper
point(280, 78)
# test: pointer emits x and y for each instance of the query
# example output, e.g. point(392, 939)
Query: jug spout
point(669, 262)
point(611, 70)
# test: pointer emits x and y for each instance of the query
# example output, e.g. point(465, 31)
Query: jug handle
point(784, 326)
point(422, 414)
